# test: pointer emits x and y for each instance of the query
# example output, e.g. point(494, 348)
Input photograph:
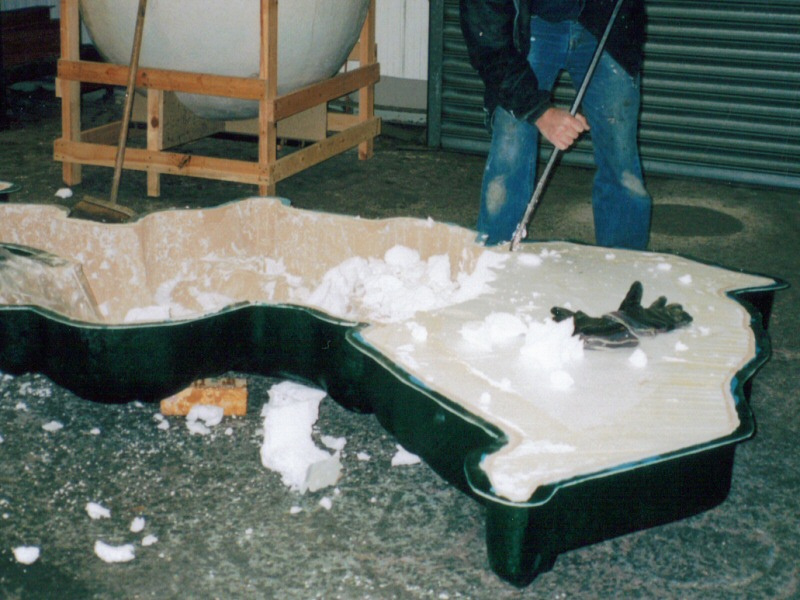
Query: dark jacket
point(497, 33)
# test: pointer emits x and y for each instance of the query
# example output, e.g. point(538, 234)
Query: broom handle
point(537, 193)
point(126, 117)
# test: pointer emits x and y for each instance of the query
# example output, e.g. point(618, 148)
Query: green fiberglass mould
point(440, 338)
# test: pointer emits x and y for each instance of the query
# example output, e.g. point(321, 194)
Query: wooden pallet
point(169, 124)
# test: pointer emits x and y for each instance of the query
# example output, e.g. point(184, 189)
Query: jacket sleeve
point(489, 31)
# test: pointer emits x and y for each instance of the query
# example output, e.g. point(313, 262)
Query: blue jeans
point(620, 202)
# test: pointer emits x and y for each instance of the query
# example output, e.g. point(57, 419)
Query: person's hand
point(560, 128)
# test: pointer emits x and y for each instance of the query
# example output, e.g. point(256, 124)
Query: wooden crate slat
point(94, 147)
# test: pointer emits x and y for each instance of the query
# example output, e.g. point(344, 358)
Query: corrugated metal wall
point(720, 90)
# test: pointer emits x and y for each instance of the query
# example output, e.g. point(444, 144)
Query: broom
point(110, 210)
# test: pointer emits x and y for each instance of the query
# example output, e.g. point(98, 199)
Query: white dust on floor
point(287, 449)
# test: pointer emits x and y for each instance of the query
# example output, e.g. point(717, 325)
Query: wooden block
point(309, 125)
point(228, 392)
point(175, 124)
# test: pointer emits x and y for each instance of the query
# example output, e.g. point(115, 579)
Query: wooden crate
point(169, 124)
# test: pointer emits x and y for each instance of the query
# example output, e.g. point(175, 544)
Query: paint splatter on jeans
point(620, 202)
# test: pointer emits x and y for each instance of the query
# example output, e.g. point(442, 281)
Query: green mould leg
point(515, 554)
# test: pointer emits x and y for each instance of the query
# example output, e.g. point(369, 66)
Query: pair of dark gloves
point(623, 327)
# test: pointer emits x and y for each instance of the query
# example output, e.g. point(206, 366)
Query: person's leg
point(621, 205)
point(510, 174)
point(508, 177)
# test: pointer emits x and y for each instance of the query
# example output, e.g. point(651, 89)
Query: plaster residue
point(34, 278)
point(567, 411)
point(473, 324)
point(181, 264)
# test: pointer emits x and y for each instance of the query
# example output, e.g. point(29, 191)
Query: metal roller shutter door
point(720, 91)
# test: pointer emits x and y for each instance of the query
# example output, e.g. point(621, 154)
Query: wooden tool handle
point(126, 116)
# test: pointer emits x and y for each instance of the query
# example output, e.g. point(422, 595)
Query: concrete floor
point(224, 524)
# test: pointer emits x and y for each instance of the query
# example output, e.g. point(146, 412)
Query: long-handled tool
point(519, 233)
point(110, 210)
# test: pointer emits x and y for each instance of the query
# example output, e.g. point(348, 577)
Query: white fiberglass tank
point(223, 38)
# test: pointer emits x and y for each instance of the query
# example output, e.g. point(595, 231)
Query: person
point(519, 47)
